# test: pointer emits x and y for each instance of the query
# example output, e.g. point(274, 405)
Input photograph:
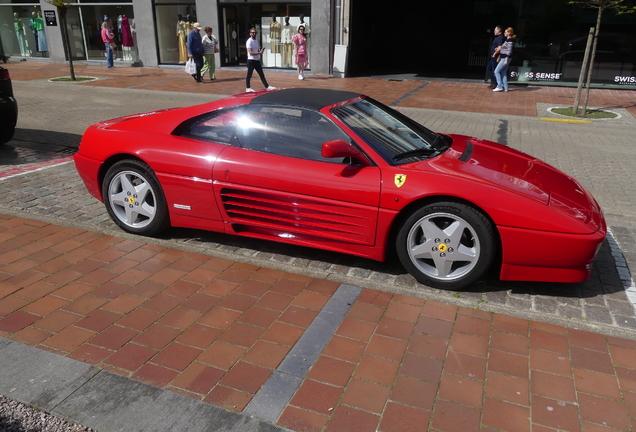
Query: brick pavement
point(216, 330)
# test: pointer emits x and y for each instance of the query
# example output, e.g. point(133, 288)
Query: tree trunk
point(584, 67)
point(67, 42)
point(593, 55)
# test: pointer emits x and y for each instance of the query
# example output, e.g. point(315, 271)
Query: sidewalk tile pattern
point(215, 331)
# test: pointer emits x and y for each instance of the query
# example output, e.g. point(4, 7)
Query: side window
point(288, 131)
point(217, 126)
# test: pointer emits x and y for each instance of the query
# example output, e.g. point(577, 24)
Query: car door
point(278, 185)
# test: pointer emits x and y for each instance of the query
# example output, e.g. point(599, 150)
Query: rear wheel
point(446, 245)
point(134, 199)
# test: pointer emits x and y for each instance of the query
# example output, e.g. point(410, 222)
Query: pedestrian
point(501, 71)
point(254, 62)
point(195, 50)
point(494, 53)
point(210, 47)
point(300, 51)
point(108, 38)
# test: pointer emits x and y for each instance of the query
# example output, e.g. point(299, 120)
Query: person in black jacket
point(494, 51)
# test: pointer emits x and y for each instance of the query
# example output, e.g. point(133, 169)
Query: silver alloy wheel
point(443, 246)
point(132, 199)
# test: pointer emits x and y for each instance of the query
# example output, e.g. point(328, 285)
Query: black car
point(8, 107)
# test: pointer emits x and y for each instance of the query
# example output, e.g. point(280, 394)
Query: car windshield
point(398, 139)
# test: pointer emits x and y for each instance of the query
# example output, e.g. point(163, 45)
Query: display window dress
point(126, 34)
point(182, 36)
point(274, 34)
point(21, 35)
point(38, 24)
point(286, 40)
point(302, 60)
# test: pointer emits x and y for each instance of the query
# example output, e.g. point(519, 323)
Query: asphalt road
point(600, 155)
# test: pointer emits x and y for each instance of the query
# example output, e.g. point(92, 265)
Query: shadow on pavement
point(35, 139)
point(30, 146)
point(604, 278)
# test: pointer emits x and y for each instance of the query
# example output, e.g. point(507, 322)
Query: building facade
point(346, 37)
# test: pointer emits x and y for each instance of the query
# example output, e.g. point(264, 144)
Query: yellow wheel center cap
point(442, 247)
point(131, 200)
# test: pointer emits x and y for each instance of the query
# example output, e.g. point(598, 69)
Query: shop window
point(23, 31)
point(174, 22)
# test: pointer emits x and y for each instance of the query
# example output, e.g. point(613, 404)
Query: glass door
point(231, 34)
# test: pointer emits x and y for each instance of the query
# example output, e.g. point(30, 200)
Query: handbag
point(113, 45)
point(498, 58)
point(190, 67)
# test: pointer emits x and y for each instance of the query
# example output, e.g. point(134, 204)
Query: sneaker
point(270, 88)
point(194, 77)
point(249, 89)
point(300, 77)
point(498, 89)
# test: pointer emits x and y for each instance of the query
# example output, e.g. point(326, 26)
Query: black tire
point(6, 134)
point(134, 199)
point(446, 245)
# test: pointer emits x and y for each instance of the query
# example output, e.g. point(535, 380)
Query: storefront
point(25, 33)
point(452, 40)
point(85, 26)
point(22, 30)
point(174, 21)
point(276, 25)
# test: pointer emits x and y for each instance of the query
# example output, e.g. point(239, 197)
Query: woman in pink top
point(300, 49)
point(107, 37)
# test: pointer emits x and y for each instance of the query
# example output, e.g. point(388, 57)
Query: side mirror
point(342, 149)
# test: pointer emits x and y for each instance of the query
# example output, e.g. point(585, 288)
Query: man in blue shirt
point(497, 42)
point(195, 50)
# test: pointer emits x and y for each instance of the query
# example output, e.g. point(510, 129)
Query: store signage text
point(537, 76)
point(625, 79)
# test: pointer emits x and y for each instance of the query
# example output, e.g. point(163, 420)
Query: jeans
point(109, 55)
point(501, 73)
point(255, 65)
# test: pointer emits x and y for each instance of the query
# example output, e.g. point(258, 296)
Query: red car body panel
point(535, 208)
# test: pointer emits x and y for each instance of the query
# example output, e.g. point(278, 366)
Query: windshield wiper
point(445, 140)
point(416, 152)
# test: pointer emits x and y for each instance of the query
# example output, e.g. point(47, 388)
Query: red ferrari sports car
point(340, 171)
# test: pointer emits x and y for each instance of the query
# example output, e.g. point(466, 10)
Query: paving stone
point(58, 193)
point(598, 314)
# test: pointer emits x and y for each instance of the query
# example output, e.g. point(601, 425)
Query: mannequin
point(126, 38)
point(38, 23)
point(33, 30)
point(20, 32)
point(274, 34)
point(188, 24)
point(182, 35)
point(287, 33)
point(304, 23)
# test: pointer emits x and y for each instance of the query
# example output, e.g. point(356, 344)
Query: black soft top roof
point(304, 97)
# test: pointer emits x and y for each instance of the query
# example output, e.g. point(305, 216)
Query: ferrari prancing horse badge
point(400, 179)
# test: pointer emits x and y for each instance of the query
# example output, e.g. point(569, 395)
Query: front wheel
point(134, 199)
point(446, 245)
